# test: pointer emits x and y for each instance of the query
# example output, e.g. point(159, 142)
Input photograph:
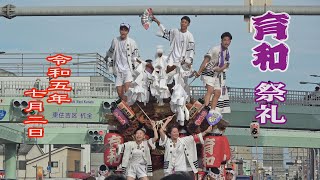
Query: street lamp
point(303, 82)
point(313, 75)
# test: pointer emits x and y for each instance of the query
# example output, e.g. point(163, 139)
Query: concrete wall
point(1, 162)
point(96, 161)
point(85, 157)
point(73, 155)
point(60, 171)
point(65, 158)
point(33, 153)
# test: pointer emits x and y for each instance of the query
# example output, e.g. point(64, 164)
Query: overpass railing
point(35, 64)
point(108, 90)
point(79, 89)
point(246, 95)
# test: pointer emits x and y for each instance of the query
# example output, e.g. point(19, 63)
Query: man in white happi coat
point(229, 174)
point(124, 58)
point(180, 59)
point(182, 47)
point(158, 87)
point(103, 172)
point(180, 153)
point(136, 161)
point(213, 68)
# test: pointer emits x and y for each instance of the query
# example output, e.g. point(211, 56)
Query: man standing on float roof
point(182, 46)
point(124, 58)
point(212, 69)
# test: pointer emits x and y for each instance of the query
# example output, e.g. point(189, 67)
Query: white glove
point(109, 64)
point(186, 111)
point(188, 61)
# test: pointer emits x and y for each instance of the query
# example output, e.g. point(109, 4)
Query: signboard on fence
point(78, 110)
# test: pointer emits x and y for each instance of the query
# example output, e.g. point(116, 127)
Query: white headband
point(159, 49)
point(125, 25)
point(230, 171)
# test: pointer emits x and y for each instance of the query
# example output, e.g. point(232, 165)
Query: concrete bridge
point(69, 123)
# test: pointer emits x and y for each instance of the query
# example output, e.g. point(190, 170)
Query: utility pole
point(311, 163)
point(49, 163)
point(318, 164)
point(255, 131)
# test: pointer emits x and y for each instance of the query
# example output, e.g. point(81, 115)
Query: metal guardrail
point(15, 128)
point(108, 90)
point(246, 95)
point(35, 64)
point(79, 89)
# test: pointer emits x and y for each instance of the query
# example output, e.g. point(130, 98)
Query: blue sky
point(94, 34)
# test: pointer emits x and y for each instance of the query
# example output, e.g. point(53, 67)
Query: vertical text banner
point(270, 58)
point(266, 95)
point(57, 92)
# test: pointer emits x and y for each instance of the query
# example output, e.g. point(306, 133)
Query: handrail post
point(243, 95)
point(22, 64)
point(305, 99)
point(74, 90)
point(2, 88)
point(110, 90)
point(43, 70)
point(95, 66)
point(77, 66)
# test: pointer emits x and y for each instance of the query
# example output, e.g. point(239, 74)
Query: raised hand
point(153, 124)
point(209, 129)
point(169, 118)
point(196, 74)
point(153, 18)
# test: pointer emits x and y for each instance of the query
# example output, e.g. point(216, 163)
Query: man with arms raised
point(182, 46)
point(124, 58)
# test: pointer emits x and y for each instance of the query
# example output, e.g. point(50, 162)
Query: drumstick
point(143, 112)
point(167, 117)
point(192, 80)
point(147, 115)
